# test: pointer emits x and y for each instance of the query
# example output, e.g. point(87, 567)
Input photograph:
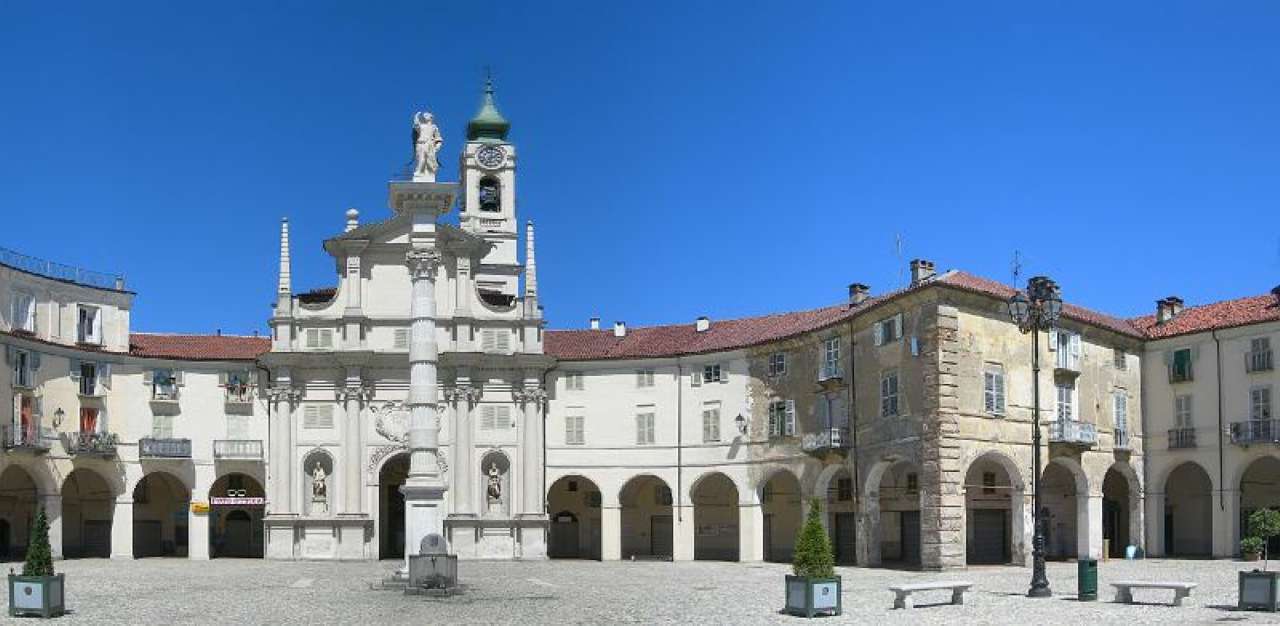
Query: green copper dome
point(488, 123)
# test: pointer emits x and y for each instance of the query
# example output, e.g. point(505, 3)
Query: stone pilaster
point(942, 509)
point(531, 400)
point(280, 495)
point(354, 396)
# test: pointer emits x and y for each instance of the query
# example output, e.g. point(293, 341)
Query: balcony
point(1073, 433)
point(826, 440)
point(1121, 439)
point(1182, 438)
point(90, 444)
point(239, 396)
point(1257, 361)
point(164, 401)
point(238, 449)
point(155, 448)
point(1180, 375)
point(30, 439)
point(829, 373)
point(1251, 432)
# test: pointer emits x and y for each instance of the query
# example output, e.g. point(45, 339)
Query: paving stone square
point(176, 591)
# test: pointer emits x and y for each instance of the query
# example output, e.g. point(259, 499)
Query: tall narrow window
point(644, 378)
point(1120, 402)
point(644, 428)
point(24, 312)
point(778, 364)
point(1066, 402)
point(830, 359)
point(1066, 345)
point(575, 428)
point(889, 393)
point(713, 374)
point(1258, 358)
point(711, 422)
point(993, 389)
point(89, 326)
point(1260, 403)
point(1120, 359)
point(1179, 365)
point(1182, 412)
point(782, 418)
point(573, 381)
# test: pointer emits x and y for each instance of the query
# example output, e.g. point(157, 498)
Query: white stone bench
point(1124, 590)
point(902, 597)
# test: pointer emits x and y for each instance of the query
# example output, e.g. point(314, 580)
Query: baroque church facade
point(422, 395)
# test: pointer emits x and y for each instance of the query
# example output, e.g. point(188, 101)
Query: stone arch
point(1259, 488)
point(20, 492)
point(715, 498)
point(392, 472)
point(236, 508)
point(88, 510)
point(574, 502)
point(647, 527)
point(1187, 524)
point(835, 486)
point(1121, 509)
point(161, 515)
point(782, 502)
point(996, 520)
point(110, 473)
point(41, 477)
point(890, 514)
point(1065, 497)
point(1251, 456)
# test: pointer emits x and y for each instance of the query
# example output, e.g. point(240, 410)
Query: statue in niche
point(319, 489)
point(495, 484)
point(426, 145)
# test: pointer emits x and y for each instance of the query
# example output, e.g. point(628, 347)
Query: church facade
point(422, 395)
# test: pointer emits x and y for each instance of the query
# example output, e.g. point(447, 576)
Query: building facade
point(422, 394)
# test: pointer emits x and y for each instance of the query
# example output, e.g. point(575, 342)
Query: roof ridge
point(683, 324)
point(162, 334)
point(1205, 305)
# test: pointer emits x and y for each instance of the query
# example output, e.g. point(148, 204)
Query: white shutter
point(97, 326)
point(915, 346)
point(724, 373)
point(318, 416)
point(1075, 351)
point(878, 332)
point(999, 387)
point(488, 417)
point(1053, 339)
point(326, 337)
point(640, 429)
point(695, 378)
point(401, 339)
point(312, 336)
point(104, 376)
point(791, 418)
point(897, 327)
point(148, 376)
point(179, 378)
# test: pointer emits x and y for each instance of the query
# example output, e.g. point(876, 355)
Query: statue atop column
point(426, 146)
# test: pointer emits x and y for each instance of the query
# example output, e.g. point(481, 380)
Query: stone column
point(1226, 531)
point(424, 489)
point(682, 540)
point(464, 397)
point(52, 504)
point(352, 433)
point(1155, 525)
point(610, 532)
point(280, 491)
point(531, 401)
point(1089, 525)
point(868, 537)
point(750, 532)
point(122, 528)
point(198, 523)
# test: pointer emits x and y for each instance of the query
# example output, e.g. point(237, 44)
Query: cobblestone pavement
point(177, 591)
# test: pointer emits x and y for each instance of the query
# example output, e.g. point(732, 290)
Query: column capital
point(470, 393)
point(360, 393)
point(285, 393)
point(423, 263)
point(536, 394)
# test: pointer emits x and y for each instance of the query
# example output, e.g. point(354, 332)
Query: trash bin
point(1087, 579)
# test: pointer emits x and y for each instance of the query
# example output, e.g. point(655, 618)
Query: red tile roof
point(683, 339)
point(1226, 314)
point(198, 347)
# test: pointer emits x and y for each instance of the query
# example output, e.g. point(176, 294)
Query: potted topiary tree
point(1251, 548)
point(1260, 589)
point(37, 591)
point(814, 589)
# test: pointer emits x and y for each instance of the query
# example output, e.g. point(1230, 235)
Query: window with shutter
point(575, 428)
point(830, 359)
point(695, 378)
point(1121, 411)
point(993, 389)
point(644, 428)
point(889, 394)
point(318, 416)
point(711, 422)
point(24, 311)
point(1120, 359)
point(1066, 402)
point(644, 378)
point(1260, 403)
point(778, 364)
point(777, 416)
point(573, 381)
point(1180, 366)
point(790, 426)
point(1182, 411)
point(400, 340)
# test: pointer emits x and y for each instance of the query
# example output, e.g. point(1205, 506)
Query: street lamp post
point(1036, 310)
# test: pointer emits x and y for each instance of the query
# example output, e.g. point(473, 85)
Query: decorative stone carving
point(283, 393)
point(362, 393)
point(391, 421)
point(423, 262)
point(380, 453)
point(426, 146)
point(471, 394)
point(537, 395)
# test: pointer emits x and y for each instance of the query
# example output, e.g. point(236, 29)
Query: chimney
point(921, 270)
point(703, 324)
point(619, 329)
point(595, 323)
point(219, 332)
point(858, 293)
point(120, 283)
point(353, 220)
point(1168, 309)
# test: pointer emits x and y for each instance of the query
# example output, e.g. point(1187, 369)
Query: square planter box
point(37, 595)
point(1260, 590)
point(813, 596)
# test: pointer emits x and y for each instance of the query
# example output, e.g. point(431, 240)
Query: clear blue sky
point(677, 161)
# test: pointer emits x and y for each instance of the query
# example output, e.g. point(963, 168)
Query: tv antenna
point(898, 244)
point(1016, 267)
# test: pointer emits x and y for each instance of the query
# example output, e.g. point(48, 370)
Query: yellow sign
point(199, 507)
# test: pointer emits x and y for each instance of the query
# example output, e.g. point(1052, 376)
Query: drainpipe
point(1217, 355)
point(679, 441)
point(546, 408)
point(853, 415)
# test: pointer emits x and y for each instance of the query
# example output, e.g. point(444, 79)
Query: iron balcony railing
point(1182, 438)
point(1073, 432)
point(34, 265)
point(1255, 431)
point(90, 443)
point(828, 439)
point(238, 449)
point(164, 448)
point(30, 437)
point(1180, 374)
point(239, 394)
point(1258, 361)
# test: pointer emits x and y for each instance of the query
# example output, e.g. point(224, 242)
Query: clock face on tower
point(491, 157)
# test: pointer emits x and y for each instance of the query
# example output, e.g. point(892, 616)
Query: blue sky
point(678, 161)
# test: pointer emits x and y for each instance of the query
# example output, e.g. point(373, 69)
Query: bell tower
point(488, 172)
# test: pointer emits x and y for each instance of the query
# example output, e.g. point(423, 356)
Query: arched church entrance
point(574, 502)
point(236, 507)
point(391, 507)
point(18, 505)
point(88, 506)
point(647, 530)
point(715, 518)
point(161, 505)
